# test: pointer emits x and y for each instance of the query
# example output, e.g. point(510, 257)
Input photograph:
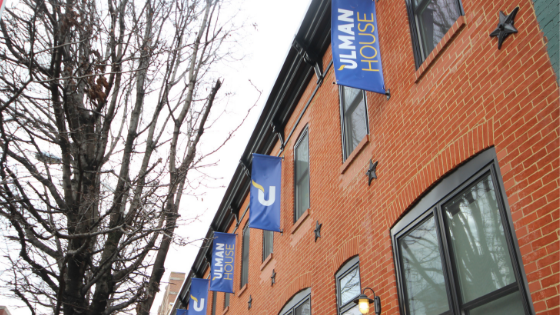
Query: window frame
point(303, 135)
point(349, 266)
point(297, 300)
point(245, 245)
point(431, 205)
point(264, 253)
point(214, 293)
point(345, 154)
point(414, 32)
point(226, 300)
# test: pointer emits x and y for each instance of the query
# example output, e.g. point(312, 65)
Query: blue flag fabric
point(199, 297)
point(355, 45)
point(266, 179)
point(181, 312)
point(222, 266)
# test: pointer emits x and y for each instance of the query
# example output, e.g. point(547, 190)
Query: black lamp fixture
point(364, 301)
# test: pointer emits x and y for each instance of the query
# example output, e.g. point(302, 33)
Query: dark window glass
point(268, 238)
point(301, 175)
point(432, 19)
point(509, 304)
point(226, 300)
point(300, 304)
point(303, 309)
point(474, 273)
point(423, 270)
point(476, 233)
point(354, 118)
point(214, 302)
point(348, 287)
point(245, 257)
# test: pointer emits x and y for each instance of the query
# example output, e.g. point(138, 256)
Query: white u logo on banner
point(198, 307)
point(271, 194)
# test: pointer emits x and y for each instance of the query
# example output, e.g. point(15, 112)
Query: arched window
point(348, 287)
point(455, 252)
point(299, 304)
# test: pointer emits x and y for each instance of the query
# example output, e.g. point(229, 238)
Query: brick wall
point(175, 282)
point(471, 97)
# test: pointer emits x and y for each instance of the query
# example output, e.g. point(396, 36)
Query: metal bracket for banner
point(208, 255)
point(388, 92)
point(236, 220)
point(196, 274)
point(319, 83)
point(246, 167)
point(185, 303)
point(309, 57)
point(240, 219)
point(278, 129)
point(234, 213)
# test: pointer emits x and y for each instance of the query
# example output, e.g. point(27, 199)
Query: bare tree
point(102, 110)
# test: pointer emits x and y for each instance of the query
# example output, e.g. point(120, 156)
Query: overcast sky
point(265, 45)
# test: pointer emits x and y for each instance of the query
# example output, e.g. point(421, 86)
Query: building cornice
point(310, 43)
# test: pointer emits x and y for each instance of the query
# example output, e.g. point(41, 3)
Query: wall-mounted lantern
point(364, 301)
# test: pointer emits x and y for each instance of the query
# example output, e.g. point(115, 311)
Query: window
point(300, 304)
point(301, 173)
point(454, 251)
point(268, 241)
point(348, 287)
point(353, 115)
point(429, 21)
point(245, 257)
point(214, 302)
point(226, 300)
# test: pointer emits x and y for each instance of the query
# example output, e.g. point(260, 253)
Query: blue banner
point(222, 265)
point(266, 178)
point(199, 297)
point(181, 312)
point(355, 45)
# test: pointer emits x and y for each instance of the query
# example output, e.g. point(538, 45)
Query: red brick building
point(175, 282)
point(463, 215)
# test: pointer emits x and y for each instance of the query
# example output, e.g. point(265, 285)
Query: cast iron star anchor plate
point(317, 230)
point(505, 27)
point(371, 172)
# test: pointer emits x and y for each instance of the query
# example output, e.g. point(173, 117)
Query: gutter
point(304, 59)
